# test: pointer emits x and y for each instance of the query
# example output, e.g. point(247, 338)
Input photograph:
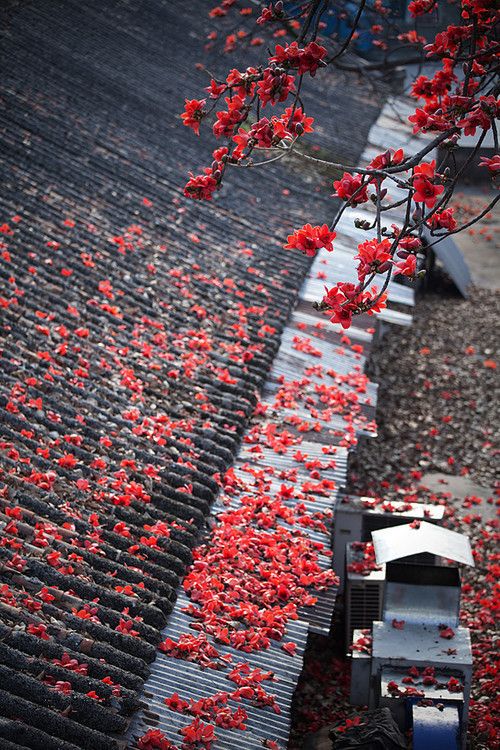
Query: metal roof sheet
point(398, 542)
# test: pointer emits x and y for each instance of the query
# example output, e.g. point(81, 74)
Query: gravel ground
point(438, 379)
point(438, 442)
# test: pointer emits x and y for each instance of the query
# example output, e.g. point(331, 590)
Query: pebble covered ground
point(437, 414)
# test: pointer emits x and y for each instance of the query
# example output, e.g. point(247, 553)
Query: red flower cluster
point(421, 7)
point(310, 239)
point(154, 739)
point(406, 267)
point(193, 114)
point(351, 188)
point(443, 220)
point(374, 257)
point(345, 300)
point(202, 187)
point(272, 12)
point(389, 158)
point(306, 60)
point(364, 559)
point(274, 87)
point(426, 189)
point(228, 120)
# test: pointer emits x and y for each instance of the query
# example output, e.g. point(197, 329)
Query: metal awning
point(397, 542)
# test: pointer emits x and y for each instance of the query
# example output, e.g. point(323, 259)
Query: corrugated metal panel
point(189, 680)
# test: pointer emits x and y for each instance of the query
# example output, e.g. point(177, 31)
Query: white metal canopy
point(397, 542)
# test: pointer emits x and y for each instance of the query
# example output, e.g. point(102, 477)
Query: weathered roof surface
point(135, 330)
point(397, 542)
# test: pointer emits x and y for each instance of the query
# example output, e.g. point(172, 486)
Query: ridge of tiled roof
point(126, 311)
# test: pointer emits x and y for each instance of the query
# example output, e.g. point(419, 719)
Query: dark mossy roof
point(136, 330)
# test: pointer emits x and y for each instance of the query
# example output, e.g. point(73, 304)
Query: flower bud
point(362, 224)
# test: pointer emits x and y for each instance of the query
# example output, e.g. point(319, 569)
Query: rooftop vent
point(357, 517)
point(421, 537)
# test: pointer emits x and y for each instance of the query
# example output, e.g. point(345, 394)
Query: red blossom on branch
point(309, 239)
point(305, 60)
point(351, 189)
point(193, 114)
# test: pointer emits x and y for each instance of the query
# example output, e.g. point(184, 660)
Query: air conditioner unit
point(356, 517)
point(400, 690)
point(364, 590)
point(420, 646)
point(360, 651)
point(420, 617)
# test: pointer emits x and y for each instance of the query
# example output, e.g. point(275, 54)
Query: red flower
point(454, 685)
point(228, 120)
point(309, 239)
point(423, 120)
point(296, 121)
point(39, 630)
point(199, 732)
point(262, 133)
point(345, 300)
point(68, 461)
point(215, 89)
point(374, 257)
point(492, 164)
point(351, 188)
point(201, 187)
point(154, 739)
point(406, 267)
point(306, 60)
point(274, 87)
point(387, 159)
point(446, 632)
point(193, 114)
point(420, 7)
point(92, 694)
point(126, 627)
point(443, 220)
point(426, 192)
point(176, 704)
point(273, 10)
point(398, 624)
